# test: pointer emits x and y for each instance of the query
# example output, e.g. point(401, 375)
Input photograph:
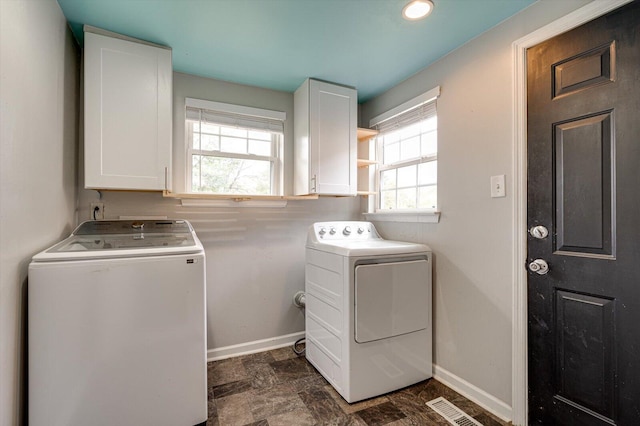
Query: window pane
point(233, 131)
point(196, 141)
point(210, 142)
point(195, 125)
point(407, 198)
point(429, 124)
point(430, 143)
point(260, 147)
point(233, 145)
point(391, 153)
point(406, 176)
point(428, 173)
point(210, 128)
point(388, 179)
point(428, 197)
point(388, 200)
point(409, 187)
point(391, 137)
point(264, 136)
point(410, 131)
point(195, 170)
point(410, 148)
point(234, 176)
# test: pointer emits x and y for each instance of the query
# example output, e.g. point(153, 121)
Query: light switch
point(498, 186)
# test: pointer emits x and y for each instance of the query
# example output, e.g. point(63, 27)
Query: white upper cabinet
point(127, 113)
point(325, 122)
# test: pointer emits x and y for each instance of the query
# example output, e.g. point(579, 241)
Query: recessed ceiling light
point(417, 9)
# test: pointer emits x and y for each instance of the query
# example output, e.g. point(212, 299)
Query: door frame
point(519, 379)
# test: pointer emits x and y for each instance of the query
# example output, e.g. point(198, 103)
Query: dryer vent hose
point(299, 299)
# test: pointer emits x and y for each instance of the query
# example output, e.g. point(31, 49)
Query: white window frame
point(277, 142)
point(413, 215)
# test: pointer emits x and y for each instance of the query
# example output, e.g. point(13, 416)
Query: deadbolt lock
point(540, 232)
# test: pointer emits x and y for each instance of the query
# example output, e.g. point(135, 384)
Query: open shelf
point(238, 197)
point(365, 134)
point(366, 163)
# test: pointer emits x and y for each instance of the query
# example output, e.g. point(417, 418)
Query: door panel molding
point(584, 70)
point(574, 384)
point(584, 195)
point(585, 14)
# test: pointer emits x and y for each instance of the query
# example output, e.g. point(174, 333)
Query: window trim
point(277, 142)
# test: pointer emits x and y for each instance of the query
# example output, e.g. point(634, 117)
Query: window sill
point(235, 200)
point(416, 217)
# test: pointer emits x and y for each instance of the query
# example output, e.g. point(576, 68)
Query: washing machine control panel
point(344, 231)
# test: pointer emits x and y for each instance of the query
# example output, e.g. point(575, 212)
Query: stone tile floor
point(280, 388)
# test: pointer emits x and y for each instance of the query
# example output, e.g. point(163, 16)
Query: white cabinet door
point(325, 139)
point(127, 104)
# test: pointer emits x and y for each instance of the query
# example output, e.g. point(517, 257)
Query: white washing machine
point(368, 309)
point(116, 321)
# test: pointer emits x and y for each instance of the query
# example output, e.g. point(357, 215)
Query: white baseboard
point(473, 393)
point(247, 348)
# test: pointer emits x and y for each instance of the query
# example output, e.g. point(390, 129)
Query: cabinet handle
point(166, 178)
point(313, 184)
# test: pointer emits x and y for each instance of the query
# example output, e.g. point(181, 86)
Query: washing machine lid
point(124, 238)
point(356, 238)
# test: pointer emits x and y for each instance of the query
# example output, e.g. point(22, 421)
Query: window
point(407, 151)
point(233, 149)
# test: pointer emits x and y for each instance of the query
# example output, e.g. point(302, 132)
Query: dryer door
point(391, 299)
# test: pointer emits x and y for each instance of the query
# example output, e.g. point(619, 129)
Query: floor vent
point(453, 414)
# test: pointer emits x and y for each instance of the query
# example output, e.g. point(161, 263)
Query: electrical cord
point(295, 347)
point(96, 209)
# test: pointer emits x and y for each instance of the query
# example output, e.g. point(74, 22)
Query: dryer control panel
point(344, 231)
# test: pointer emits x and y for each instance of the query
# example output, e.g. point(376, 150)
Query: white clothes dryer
point(116, 320)
point(368, 309)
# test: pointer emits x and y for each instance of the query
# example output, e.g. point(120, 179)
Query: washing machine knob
point(322, 231)
point(360, 229)
point(332, 230)
point(347, 230)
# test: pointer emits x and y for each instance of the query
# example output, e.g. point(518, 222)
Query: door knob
point(540, 232)
point(539, 266)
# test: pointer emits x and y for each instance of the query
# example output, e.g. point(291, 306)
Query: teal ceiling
point(278, 43)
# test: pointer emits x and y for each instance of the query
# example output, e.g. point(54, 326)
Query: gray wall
point(473, 243)
point(39, 91)
point(255, 256)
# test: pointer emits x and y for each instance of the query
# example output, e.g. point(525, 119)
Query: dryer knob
point(332, 230)
point(322, 231)
point(347, 230)
point(360, 229)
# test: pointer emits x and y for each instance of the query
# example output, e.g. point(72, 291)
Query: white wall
point(38, 155)
point(255, 256)
point(473, 242)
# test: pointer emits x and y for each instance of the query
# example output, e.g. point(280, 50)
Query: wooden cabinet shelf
point(366, 148)
point(365, 134)
point(366, 163)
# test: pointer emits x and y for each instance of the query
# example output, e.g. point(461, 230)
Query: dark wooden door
point(584, 187)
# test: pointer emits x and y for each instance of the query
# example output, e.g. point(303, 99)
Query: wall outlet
point(498, 186)
point(97, 211)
